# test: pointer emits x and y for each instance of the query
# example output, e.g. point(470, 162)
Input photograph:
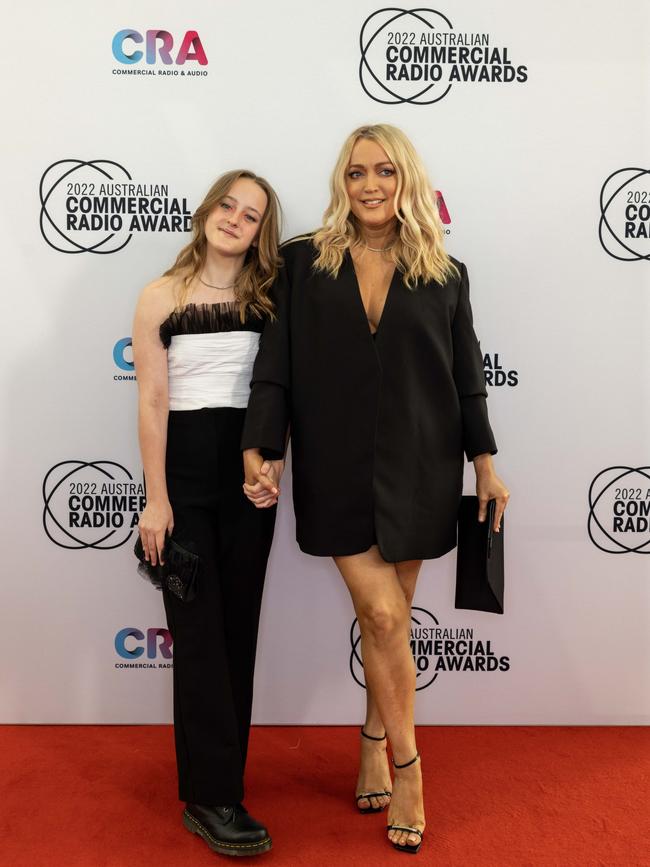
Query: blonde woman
point(195, 339)
point(374, 364)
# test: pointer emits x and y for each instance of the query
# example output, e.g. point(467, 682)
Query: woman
point(374, 364)
point(194, 341)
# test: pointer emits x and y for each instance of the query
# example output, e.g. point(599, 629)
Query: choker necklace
point(378, 249)
point(222, 288)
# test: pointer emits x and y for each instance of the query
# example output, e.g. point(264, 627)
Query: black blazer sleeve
point(469, 377)
point(267, 416)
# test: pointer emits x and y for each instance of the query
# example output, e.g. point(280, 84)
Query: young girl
point(195, 339)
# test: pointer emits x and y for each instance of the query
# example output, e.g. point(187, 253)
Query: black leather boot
point(228, 830)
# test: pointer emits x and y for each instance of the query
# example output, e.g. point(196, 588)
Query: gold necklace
point(222, 288)
point(378, 249)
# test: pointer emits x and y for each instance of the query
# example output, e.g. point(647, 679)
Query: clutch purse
point(479, 567)
point(178, 573)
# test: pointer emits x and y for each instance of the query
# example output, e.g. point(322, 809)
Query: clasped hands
point(262, 479)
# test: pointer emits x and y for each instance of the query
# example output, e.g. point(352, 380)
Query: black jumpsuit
point(214, 635)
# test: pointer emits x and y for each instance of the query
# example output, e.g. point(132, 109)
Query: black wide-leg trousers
point(215, 635)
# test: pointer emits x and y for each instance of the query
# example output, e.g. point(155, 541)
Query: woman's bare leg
point(374, 775)
point(384, 618)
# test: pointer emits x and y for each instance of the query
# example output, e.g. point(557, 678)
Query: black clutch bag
point(178, 573)
point(479, 567)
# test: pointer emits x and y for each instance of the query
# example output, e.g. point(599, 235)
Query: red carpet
point(104, 796)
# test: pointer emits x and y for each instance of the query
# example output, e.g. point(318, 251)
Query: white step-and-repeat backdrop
point(533, 121)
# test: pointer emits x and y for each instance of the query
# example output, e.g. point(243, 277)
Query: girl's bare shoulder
point(159, 297)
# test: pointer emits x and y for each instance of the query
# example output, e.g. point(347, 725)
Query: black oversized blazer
point(378, 427)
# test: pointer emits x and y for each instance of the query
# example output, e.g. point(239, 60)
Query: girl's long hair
point(418, 251)
point(262, 261)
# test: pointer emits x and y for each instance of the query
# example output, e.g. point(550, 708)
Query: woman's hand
point(262, 479)
point(490, 487)
point(156, 520)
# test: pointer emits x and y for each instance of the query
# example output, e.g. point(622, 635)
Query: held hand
point(273, 470)
point(156, 520)
point(260, 496)
point(490, 487)
point(262, 479)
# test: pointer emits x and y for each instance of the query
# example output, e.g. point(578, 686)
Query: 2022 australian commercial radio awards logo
point(619, 510)
point(415, 56)
point(96, 206)
point(156, 52)
point(91, 504)
point(624, 227)
point(436, 649)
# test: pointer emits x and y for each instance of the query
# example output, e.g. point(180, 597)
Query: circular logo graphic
point(619, 510)
point(415, 55)
point(69, 219)
point(91, 504)
point(395, 55)
point(423, 626)
point(624, 227)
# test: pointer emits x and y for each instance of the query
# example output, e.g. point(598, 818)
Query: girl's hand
point(262, 484)
point(156, 520)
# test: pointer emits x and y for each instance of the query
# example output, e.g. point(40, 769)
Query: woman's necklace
point(211, 286)
point(378, 249)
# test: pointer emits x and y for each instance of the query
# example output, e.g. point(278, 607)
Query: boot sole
point(237, 849)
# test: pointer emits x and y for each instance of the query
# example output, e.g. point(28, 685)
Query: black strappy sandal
point(368, 795)
point(406, 847)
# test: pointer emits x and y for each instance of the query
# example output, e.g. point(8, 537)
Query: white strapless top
point(210, 356)
point(209, 370)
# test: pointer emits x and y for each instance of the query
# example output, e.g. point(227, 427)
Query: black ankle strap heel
point(406, 764)
point(372, 737)
point(411, 848)
point(365, 796)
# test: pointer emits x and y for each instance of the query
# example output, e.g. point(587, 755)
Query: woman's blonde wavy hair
point(262, 261)
point(418, 251)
